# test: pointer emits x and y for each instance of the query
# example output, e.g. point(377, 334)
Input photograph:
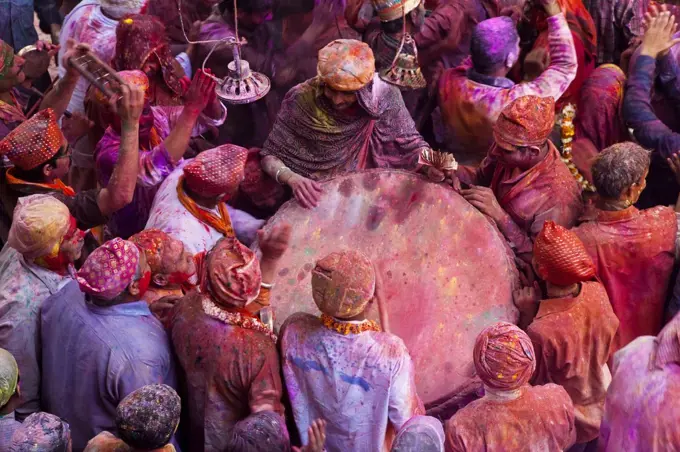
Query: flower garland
point(567, 134)
point(236, 319)
point(346, 328)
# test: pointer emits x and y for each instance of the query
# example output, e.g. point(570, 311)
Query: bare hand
point(325, 12)
point(317, 437)
point(674, 163)
point(484, 199)
point(275, 242)
point(130, 106)
point(306, 191)
point(75, 127)
point(43, 46)
point(161, 308)
point(658, 39)
point(73, 49)
point(551, 7)
point(526, 298)
point(452, 180)
point(435, 175)
point(200, 93)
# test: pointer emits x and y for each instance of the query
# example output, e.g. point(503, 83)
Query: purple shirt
point(95, 356)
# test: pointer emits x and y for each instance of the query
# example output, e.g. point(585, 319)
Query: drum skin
point(447, 271)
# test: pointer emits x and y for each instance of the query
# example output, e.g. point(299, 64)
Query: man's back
point(359, 383)
point(93, 357)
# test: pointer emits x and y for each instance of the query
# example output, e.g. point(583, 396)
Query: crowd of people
point(136, 274)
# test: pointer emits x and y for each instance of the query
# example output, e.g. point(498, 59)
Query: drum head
point(447, 271)
point(36, 62)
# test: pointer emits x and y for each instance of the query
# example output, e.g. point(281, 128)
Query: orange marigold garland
point(346, 328)
point(567, 134)
point(236, 319)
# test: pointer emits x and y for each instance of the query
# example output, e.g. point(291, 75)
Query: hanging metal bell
point(405, 73)
point(241, 85)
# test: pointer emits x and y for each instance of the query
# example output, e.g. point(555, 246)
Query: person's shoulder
point(549, 393)
point(663, 212)
point(298, 322)
point(69, 296)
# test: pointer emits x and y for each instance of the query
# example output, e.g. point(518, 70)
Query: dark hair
point(491, 42)
point(247, 6)
point(393, 26)
point(36, 174)
point(618, 167)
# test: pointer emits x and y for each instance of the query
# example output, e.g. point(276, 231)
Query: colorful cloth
point(573, 339)
point(526, 121)
point(34, 142)
point(314, 140)
point(118, 9)
point(362, 385)
point(560, 257)
point(470, 102)
point(346, 65)
point(169, 215)
point(23, 288)
point(263, 428)
point(6, 59)
point(114, 350)
point(106, 442)
point(140, 37)
point(343, 283)
point(231, 372)
point(548, 191)
point(42, 431)
point(634, 252)
point(110, 269)
point(540, 419)
point(389, 10)
point(39, 225)
point(11, 116)
point(617, 22)
point(232, 274)
point(640, 413)
point(217, 171)
point(504, 357)
point(148, 417)
point(420, 433)
point(9, 376)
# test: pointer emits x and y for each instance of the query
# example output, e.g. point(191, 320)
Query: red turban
point(110, 269)
point(504, 357)
point(343, 283)
point(152, 242)
point(231, 274)
point(527, 121)
point(217, 171)
point(34, 142)
point(561, 257)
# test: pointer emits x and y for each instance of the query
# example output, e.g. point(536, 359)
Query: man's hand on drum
point(447, 176)
point(484, 199)
point(306, 191)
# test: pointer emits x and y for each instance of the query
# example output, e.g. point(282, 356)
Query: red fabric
point(34, 142)
point(231, 274)
point(580, 23)
point(152, 242)
point(573, 339)
point(634, 252)
point(504, 357)
point(263, 191)
point(527, 121)
point(217, 171)
point(560, 256)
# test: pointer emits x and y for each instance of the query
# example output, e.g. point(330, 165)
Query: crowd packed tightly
point(143, 233)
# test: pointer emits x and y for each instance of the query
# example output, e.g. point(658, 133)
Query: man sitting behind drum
point(345, 119)
point(522, 182)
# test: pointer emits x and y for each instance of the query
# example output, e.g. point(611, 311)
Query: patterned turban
point(231, 274)
point(43, 432)
point(152, 242)
point(504, 357)
point(346, 65)
point(343, 283)
point(9, 376)
point(389, 10)
point(217, 171)
point(6, 59)
point(34, 142)
point(265, 428)
point(561, 257)
point(147, 418)
point(116, 9)
point(39, 225)
point(110, 269)
point(420, 433)
point(527, 121)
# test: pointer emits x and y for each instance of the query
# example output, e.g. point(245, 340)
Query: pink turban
point(110, 269)
point(34, 142)
point(346, 65)
point(217, 171)
point(504, 357)
point(561, 257)
point(231, 274)
point(343, 283)
point(39, 225)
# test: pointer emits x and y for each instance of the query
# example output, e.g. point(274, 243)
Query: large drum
point(447, 271)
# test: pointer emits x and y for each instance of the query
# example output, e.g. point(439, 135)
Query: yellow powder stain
point(440, 327)
point(441, 271)
point(316, 235)
point(451, 288)
point(468, 316)
point(442, 222)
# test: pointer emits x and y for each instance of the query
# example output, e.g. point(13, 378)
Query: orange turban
point(346, 65)
point(527, 121)
point(34, 142)
point(504, 357)
point(231, 274)
point(343, 283)
point(561, 257)
point(217, 171)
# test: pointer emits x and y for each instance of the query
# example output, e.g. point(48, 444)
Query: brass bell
point(241, 85)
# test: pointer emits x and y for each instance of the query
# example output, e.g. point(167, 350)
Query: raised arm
point(60, 95)
point(121, 188)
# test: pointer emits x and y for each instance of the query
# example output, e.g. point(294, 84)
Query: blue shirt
point(16, 20)
point(92, 357)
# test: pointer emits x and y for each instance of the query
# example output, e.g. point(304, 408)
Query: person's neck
point(206, 203)
point(156, 293)
point(501, 396)
point(613, 204)
point(554, 291)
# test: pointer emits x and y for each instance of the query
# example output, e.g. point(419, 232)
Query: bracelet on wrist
point(278, 173)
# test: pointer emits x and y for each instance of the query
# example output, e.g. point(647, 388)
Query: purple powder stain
point(284, 271)
point(370, 181)
point(346, 187)
point(375, 217)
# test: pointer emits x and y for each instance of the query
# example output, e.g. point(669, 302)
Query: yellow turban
point(346, 65)
point(9, 376)
point(39, 225)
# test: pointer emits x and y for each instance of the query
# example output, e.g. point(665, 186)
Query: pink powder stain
point(346, 187)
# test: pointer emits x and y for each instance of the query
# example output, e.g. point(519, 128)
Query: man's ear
point(160, 280)
point(133, 288)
